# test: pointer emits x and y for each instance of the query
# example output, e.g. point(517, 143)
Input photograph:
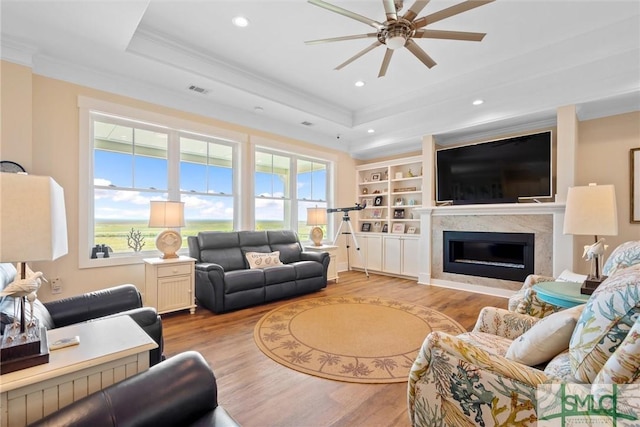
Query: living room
point(42, 130)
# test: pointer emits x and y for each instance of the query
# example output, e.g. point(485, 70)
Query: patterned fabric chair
point(525, 301)
point(489, 376)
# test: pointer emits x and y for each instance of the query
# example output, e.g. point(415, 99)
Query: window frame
point(245, 145)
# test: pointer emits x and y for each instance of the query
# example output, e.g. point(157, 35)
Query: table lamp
point(167, 215)
point(316, 216)
point(33, 227)
point(591, 210)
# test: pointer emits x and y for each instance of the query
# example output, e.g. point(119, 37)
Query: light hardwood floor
point(259, 392)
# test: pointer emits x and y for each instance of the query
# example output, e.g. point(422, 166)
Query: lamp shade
point(166, 214)
point(33, 222)
point(591, 210)
point(316, 216)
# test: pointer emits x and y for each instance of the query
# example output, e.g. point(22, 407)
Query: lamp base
point(169, 242)
point(23, 350)
point(590, 284)
point(316, 235)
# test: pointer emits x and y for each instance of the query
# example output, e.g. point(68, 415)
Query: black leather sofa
point(114, 301)
point(180, 391)
point(224, 281)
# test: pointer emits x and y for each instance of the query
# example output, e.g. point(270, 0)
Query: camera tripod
point(347, 220)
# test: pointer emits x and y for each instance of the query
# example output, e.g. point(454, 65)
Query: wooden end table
point(560, 294)
point(110, 350)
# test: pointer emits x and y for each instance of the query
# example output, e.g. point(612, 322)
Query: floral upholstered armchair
point(489, 376)
point(525, 301)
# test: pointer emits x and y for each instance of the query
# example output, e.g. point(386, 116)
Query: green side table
point(560, 294)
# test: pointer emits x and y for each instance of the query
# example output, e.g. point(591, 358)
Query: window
point(130, 169)
point(281, 197)
point(136, 162)
point(131, 156)
point(206, 184)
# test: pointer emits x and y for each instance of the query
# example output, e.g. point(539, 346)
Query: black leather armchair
point(180, 391)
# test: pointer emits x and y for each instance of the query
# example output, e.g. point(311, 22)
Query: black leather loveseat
point(117, 300)
point(224, 281)
point(180, 391)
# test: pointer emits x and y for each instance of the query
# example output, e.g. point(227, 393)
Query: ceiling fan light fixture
point(395, 42)
point(240, 21)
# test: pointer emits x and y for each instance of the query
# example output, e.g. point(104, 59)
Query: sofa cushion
point(279, 274)
point(222, 248)
point(625, 255)
point(285, 241)
point(254, 241)
point(545, 339)
point(623, 367)
point(242, 280)
point(263, 260)
point(605, 321)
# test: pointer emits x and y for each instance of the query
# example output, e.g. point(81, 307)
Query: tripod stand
point(347, 220)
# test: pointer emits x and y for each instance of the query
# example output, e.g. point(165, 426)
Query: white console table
point(110, 350)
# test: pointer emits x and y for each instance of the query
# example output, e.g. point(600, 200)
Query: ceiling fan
point(398, 31)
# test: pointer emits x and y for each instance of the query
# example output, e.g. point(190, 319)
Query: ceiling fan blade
point(358, 55)
point(339, 39)
point(415, 9)
point(449, 12)
point(390, 10)
point(385, 62)
point(450, 35)
point(420, 54)
point(344, 12)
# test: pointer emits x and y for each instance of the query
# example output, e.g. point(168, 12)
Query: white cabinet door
point(392, 254)
point(374, 253)
point(410, 257)
point(370, 252)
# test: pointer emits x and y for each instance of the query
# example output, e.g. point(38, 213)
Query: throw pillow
point(623, 367)
point(625, 255)
point(604, 323)
point(547, 338)
point(263, 260)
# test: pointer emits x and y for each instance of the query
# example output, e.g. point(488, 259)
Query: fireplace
point(508, 256)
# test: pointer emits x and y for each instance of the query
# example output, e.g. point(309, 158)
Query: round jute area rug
point(354, 339)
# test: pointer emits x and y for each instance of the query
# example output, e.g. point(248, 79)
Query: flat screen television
point(495, 172)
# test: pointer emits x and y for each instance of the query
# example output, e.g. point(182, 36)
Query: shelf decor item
point(385, 228)
point(366, 226)
point(167, 215)
point(411, 230)
point(398, 175)
point(398, 213)
point(375, 176)
point(398, 228)
point(377, 201)
point(316, 217)
point(399, 201)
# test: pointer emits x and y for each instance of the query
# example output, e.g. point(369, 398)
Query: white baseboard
point(478, 289)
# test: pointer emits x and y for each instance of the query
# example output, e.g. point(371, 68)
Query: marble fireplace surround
point(553, 249)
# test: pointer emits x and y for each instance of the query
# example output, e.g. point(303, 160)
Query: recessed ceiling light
point(359, 83)
point(478, 102)
point(371, 131)
point(258, 109)
point(240, 21)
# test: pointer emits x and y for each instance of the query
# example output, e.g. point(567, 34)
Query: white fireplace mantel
point(562, 256)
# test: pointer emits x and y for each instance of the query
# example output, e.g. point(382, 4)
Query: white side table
point(170, 284)
point(110, 350)
point(332, 272)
